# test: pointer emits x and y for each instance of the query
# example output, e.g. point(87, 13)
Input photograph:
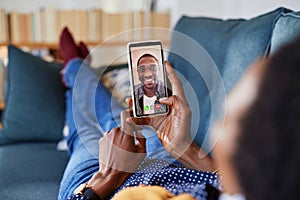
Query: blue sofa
point(210, 55)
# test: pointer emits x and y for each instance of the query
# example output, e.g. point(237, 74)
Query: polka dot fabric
point(176, 179)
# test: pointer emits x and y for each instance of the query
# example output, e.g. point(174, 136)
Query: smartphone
point(148, 77)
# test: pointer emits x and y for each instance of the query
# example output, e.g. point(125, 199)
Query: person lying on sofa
point(116, 166)
point(244, 162)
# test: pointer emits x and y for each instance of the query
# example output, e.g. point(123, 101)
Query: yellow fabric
point(149, 193)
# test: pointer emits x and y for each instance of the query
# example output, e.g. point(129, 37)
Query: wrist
point(105, 184)
point(178, 150)
point(195, 158)
point(86, 191)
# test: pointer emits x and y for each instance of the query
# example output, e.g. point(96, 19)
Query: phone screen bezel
point(163, 71)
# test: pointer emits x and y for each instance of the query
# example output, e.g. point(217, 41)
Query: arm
point(173, 129)
point(116, 148)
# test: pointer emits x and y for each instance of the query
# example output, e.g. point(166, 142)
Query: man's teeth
point(148, 80)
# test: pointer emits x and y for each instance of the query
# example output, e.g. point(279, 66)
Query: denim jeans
point(91, 111)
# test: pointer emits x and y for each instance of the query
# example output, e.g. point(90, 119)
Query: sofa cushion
point(31, 171)
point(34, 101)
point(286, 29)
point(210, 55)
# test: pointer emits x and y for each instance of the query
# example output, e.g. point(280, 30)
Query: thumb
point(167, 101)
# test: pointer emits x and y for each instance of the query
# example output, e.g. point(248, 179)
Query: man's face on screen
point(147, 72)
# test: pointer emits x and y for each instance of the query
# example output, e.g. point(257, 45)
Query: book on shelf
point(95, 25)
point(49, 24)
point(25, 24)
point(139, 23)
point(76, 21)
point(116, 24)
point(21, 27)
point(14, 26)
point(153, 22)
point(3, 26)
point(36, 26)
point(160, 20)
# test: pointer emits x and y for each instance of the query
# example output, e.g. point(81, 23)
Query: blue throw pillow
point(35, 101)
point(210, 55)
point(286, 29)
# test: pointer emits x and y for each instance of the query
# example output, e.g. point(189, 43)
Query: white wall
point(225, 8)
point(254, 7)
point(231, 8)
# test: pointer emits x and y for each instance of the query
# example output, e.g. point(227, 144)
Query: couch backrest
point(210, 56)
point(286, 28)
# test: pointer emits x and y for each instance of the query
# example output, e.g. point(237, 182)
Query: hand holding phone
point(148, 77)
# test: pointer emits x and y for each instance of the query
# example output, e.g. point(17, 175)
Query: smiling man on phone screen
point(150, 89)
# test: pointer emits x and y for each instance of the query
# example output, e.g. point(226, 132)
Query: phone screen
point(148, 79)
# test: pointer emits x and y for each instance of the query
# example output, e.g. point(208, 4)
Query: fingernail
point(163, 99)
